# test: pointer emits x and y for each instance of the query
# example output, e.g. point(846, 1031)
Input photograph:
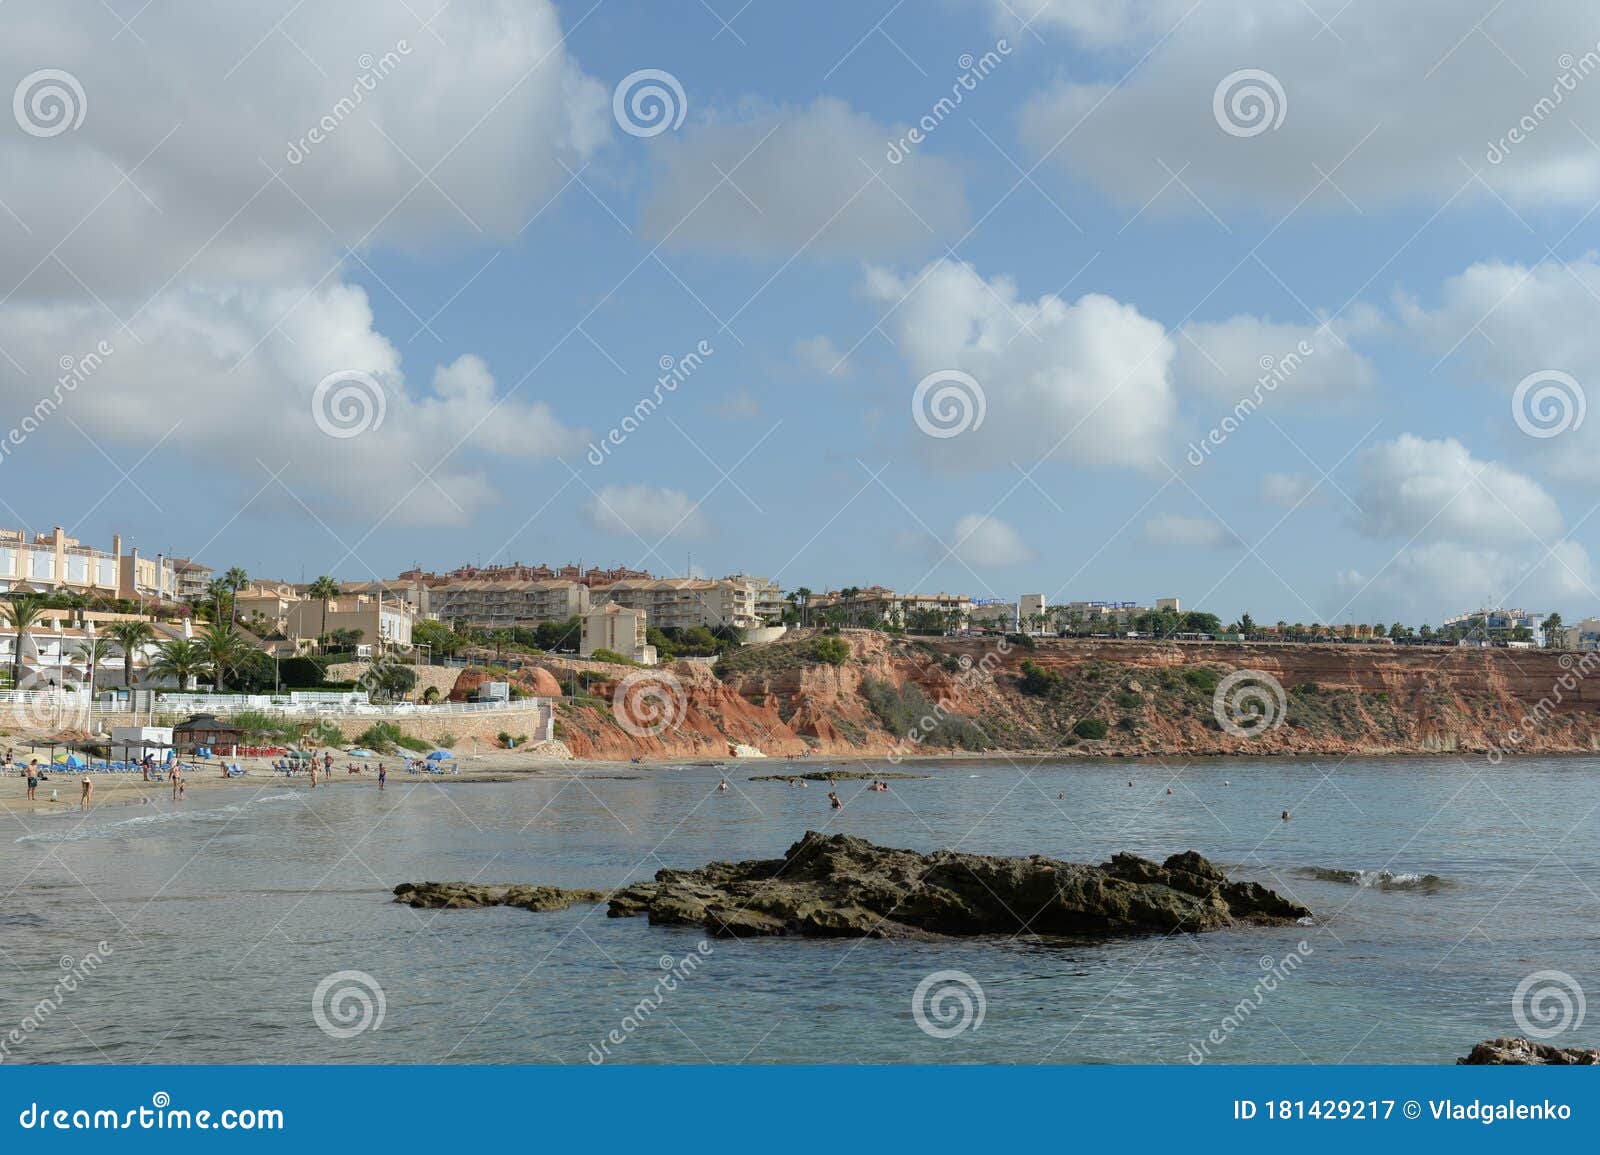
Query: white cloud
point(1394, 101)
point(1087, 380)
point(169, 174)
point(1174, 529)
point(1429, 581)
point(1247, 355)
point(1437, 491)
point(1289, 489)
point(740, 405)
point(799, 178)
point(1501, 323)
point(983, 541)
point(228, 390)
point(821, 355)
point(645, 511)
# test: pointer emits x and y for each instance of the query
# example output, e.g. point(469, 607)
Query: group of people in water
point(834, 801)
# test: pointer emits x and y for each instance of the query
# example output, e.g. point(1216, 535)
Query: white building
point(619, 629)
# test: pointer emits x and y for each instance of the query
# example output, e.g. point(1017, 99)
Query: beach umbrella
point(440, 756)
point(73, 762)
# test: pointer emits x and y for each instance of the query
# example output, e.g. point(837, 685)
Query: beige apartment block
point(619, 629)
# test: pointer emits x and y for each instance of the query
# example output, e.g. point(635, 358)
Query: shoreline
point(506, 766)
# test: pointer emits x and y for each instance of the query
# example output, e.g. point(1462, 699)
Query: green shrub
point(604, 655)
point(1038, 682)
point(1023, 640)
point(835, 651)
point(906, 712)
point(447, 741)
point(1090, 728)
point(1202, 678)
point(385, 737)
point(302, 671)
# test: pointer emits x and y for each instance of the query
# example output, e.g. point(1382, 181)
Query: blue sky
point(1102, 243)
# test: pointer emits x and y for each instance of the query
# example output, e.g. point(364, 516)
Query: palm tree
point(217, 591)
point(131, 637)
point(324, 589)
point(237, 579)
point(20, 613)
point(181, 659)
point(223, 649)
point(92, 652)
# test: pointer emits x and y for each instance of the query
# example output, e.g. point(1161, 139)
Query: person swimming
point(833, 800)
point(1286, 816)
point(723, 785)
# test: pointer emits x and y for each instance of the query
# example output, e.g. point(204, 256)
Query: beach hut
point(206, 731)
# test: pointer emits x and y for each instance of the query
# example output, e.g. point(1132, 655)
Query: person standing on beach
point(33, 778)
point(177, 781)
point(383, 775)
point(87, 798)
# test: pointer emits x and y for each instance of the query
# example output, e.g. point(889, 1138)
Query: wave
point(139, 823)
point(1377, 879)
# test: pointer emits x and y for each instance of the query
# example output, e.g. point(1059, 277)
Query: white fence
point(58, 709)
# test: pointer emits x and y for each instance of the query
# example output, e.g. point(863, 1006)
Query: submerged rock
point(466, 894)
point(1525, 1052)
point(842, 886)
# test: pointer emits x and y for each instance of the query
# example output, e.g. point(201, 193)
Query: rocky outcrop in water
point(461, 895)
point(845, 887)
point(1518, 1052)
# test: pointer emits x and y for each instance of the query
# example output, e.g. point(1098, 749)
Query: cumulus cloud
point(1288, 489)
point(1501, 323)
point(237, 373)
point(821, 355)
point(1430, 580)
point(1414, 488)
point(1179, 530)
point(1244, 355)
point(1086, 380)
point(1390, 100)
point(645, 511)
point(799, 178)
point(983, 541)
point(170, 173)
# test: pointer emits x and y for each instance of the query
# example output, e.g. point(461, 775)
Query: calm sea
point(1439, 887)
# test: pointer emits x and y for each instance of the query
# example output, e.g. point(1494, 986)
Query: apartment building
point(619, 629)
point(738, 602)
point(53, 563)
point(499, 605)
point(1112, 615)
point(993, 614)
point(1498, 625)
point(281, 608)
point(877, 604)
point(517, 572)
point(192, 578)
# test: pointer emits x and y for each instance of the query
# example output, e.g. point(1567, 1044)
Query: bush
point(835, 651)
point(1202, 678)
point(302, 671)
point(447, 741)
point(385, 737)
point(1023, 640)
point(604, 655)
point(324, 733)
point(1092, 729)
point(1038, 682)
point(905, 711)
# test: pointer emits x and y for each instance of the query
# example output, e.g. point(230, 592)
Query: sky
point(1284, 307)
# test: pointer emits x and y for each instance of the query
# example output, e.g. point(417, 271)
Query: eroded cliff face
point(911, 696)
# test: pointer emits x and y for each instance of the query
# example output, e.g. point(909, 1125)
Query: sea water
point(256, 923)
